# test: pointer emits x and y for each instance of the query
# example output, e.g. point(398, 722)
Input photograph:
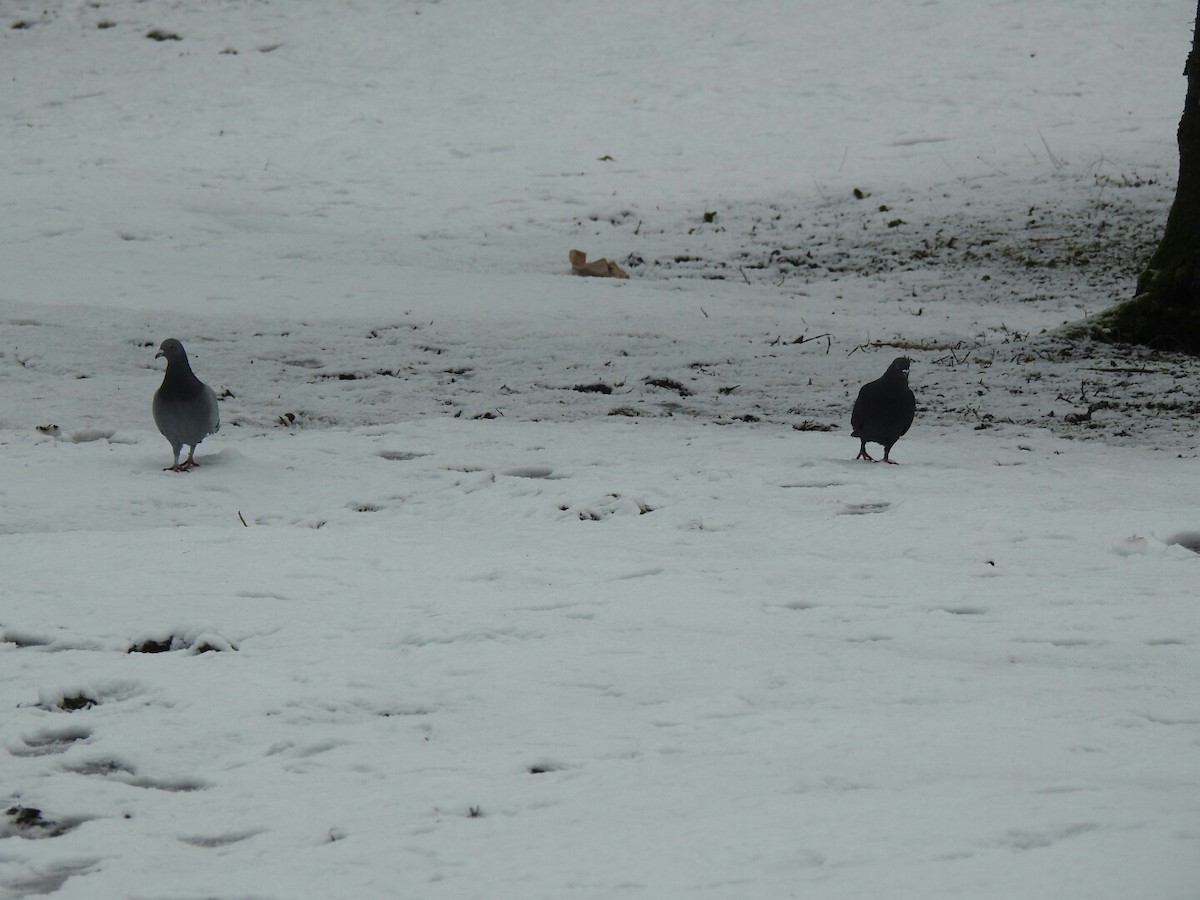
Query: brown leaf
point(597, 268)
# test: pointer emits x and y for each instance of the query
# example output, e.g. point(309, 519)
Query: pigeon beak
point(158, 354)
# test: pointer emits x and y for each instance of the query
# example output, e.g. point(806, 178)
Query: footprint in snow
point(865, 509)
point(612, 505)
point(532, 472)
point(49, 741)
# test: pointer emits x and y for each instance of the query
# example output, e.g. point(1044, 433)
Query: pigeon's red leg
point(863, 454)
point(178, 467)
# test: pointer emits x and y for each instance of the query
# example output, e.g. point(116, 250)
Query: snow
point(498, 582)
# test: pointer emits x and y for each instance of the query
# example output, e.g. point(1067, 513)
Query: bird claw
point(186, 466)
point(863, 454)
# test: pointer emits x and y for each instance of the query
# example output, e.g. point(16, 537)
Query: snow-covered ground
point(499, 582)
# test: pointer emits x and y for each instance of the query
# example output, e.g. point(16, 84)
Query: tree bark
point(1165, 310)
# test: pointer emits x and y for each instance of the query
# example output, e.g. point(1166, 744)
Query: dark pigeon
point(185, 408)
point(884, 410)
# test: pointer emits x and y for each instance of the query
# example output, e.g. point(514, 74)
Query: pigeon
point(884, 410)
point(185, 408)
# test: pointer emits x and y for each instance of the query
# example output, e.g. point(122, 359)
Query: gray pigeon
point(185, 408)
point(884, 410)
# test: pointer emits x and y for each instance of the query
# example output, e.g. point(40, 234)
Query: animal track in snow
point(22, 638)
point(30, 822)
point(1188, 539)
point(479, 634)
point(219, 840)
point(201, 643)
point(1036, 840)
point(532, 472)
point(1066, 643)
point(76, 699)
point(100, 767)
point(65, 701)
point(50, 741)
point(53, 877)
point(865, 509)
point(798, 605)
point(613, 504)
point(545, 765)
point(170, 785)
point(401, 455)
point(962, 610)
point(33, 640)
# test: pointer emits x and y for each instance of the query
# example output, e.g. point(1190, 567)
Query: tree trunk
point(1165, 310)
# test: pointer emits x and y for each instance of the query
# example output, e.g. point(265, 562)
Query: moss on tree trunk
point(1165, 310)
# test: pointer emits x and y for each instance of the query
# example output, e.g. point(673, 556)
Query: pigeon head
point(898, 368)
point(172, 350)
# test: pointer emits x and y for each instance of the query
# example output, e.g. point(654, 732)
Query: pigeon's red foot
point(891, 462)
point(186, 466)
point(863, 454)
